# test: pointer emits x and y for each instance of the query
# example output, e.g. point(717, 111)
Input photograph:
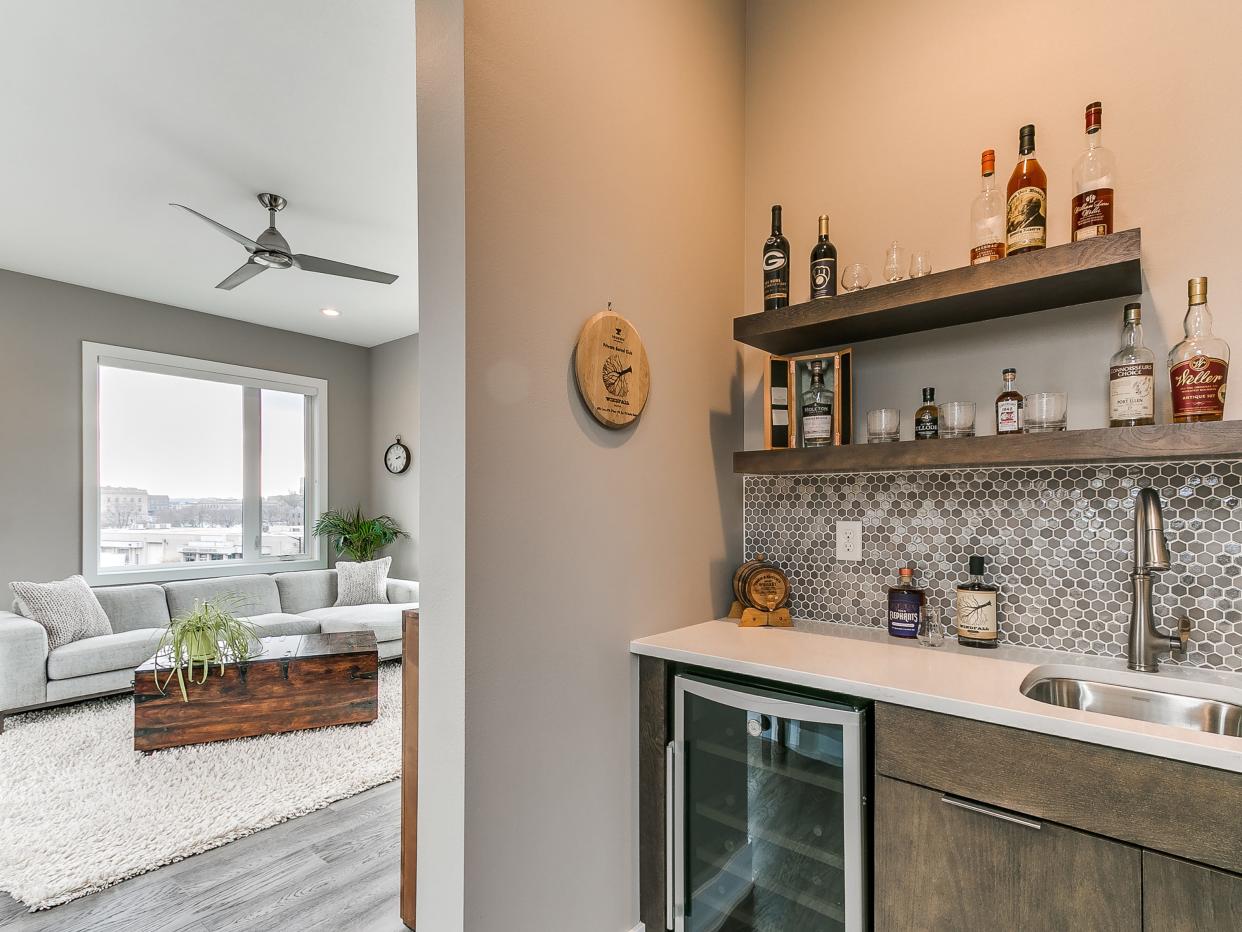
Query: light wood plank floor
point(336, 869)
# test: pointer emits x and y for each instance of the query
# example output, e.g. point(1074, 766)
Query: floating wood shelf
point(1213, 440)
point(1092, 270)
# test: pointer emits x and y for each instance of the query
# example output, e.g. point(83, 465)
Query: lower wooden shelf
point(1163, 442)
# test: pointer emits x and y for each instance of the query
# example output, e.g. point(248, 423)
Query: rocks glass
point(883, 425)
point(957, 419)
point(1044, 412)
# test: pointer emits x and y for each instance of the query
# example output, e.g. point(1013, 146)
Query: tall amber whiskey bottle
point(1026, 220)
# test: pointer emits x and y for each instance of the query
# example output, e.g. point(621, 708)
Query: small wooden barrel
point(761, 585)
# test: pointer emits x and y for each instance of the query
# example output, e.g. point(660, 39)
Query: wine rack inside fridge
point(768, 829)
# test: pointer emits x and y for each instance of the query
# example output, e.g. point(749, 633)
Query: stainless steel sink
point(1088, 690)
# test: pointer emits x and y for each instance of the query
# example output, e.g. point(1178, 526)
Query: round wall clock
point(610, 363)
point(397, 457)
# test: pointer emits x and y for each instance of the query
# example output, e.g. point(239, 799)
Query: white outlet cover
point(849, 540)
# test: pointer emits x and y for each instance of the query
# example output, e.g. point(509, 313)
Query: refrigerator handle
point(670, 752)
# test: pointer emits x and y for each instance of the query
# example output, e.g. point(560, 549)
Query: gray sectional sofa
point(283, 603)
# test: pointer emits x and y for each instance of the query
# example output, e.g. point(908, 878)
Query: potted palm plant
point(208, 633)
point(357, 537)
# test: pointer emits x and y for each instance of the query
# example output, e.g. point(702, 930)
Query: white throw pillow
point(363, 583)
point(68, 609)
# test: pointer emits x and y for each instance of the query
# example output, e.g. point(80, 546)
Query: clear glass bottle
point(1094, 178)
point(816, 420)
point(1009, 405)
point(1131, 376)
point(987, 216)
point(976, 609)
point(1199, 364)
point(927, 418)
point(1026, 199)
point(905, 605)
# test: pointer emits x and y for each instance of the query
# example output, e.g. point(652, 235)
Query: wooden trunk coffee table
point(299, 681)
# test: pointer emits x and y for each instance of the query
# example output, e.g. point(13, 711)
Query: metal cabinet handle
point(989, 811)
point(669, 789)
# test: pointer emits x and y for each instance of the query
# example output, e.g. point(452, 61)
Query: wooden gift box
point(786, 377)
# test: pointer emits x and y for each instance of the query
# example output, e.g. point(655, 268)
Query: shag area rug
point(81, 810)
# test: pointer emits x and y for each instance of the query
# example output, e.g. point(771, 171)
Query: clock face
point(397, 458)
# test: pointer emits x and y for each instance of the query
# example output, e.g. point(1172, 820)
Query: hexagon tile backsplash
point(1057, 539)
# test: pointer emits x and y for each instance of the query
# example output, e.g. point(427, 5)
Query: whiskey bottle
point(1009, 405)
point(987, 216)
point(1199, 365)
point(927, 418)
point(775, 266)
point(823, 264)
point(1026, 224)
point(817, 410)
point(1131, 376)
point(976, 609)
point(905, 605)
point(1091, 212)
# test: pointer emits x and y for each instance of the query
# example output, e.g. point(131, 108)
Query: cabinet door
point(941, 866)
point(1179, 896)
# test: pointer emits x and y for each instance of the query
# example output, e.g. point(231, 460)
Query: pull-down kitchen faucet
point(1151, 552)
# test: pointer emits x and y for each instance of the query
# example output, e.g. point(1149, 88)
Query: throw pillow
point(68, 609)
point(362, 583)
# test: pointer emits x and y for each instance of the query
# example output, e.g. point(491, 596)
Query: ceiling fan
point(271, 251)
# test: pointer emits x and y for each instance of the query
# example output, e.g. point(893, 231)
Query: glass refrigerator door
point(767, 813)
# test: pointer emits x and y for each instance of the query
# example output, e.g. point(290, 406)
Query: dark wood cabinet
point(1179, 896)
point(943, 863)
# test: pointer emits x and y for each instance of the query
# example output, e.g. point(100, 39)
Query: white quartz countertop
point(980, 685)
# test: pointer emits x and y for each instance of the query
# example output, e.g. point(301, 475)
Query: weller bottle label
point(1199, 386)
point(1093, 213)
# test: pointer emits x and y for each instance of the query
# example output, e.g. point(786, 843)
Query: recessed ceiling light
point(329, 312)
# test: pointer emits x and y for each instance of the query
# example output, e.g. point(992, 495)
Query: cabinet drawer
point(1183, 897)
point(942, 865)
point(1182, 809)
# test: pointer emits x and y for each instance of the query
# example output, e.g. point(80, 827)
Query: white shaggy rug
point(80, 810)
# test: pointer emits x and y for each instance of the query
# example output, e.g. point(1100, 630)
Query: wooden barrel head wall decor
point(610, 363)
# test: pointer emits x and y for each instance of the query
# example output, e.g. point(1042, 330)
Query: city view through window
point(172, 470)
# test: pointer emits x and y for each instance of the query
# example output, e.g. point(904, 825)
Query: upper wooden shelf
point(1163, 442)
point(1092, 270)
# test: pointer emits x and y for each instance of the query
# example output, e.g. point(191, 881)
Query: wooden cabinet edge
point(409, 765)
point(653, 736)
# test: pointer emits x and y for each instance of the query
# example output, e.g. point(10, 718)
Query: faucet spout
point(1151, 549)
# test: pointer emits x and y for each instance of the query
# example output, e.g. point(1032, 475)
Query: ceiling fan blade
point(231, 234)
point(328, 267)
point(245, 273)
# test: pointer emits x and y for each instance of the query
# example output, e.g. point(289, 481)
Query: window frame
point(100, 355)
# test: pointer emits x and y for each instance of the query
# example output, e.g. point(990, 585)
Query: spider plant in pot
point(357, 537)
point(209, 633)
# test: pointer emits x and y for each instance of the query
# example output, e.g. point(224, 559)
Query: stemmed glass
point(855, 277)
point(894, 262)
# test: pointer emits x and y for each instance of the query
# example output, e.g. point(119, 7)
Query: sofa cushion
point(362, 583)
point(252, 595)
point(384, 620)
point(124, 650)
point(67, 608)
point(132, 607)
point(281, 623)
point(300, 592)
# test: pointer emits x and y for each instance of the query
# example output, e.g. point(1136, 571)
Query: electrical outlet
point(849, 540)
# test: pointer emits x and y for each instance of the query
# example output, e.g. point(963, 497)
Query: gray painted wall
point(394, 410)
point(42, 326)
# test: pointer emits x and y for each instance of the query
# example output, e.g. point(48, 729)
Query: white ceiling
point(109, 110)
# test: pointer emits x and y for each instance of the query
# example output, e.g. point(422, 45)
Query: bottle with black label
point(976, 609)
point(823, 264)
point(776, 266)
point(816, 420)
point(927, 418)
point(1131, 376)
point(905, 605)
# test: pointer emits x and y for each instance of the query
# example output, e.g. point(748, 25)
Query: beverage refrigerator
point(768, 829)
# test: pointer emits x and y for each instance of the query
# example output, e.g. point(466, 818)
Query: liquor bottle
point(905, 605)
point(1131, 376)
point(976, 609)
point(823, 264)
point(1199, 365)
point(1026, 225)
point(775, 266)
point(1009, 405)
point(816, 420)
point(927, 418)
point(987, 216)
point(1091, 212)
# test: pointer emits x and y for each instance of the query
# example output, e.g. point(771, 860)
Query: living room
point(209, 331)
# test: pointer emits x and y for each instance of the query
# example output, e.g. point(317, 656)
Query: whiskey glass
point(920, 264)
point(1044, 412)
point(856, 277)
point(931, 630)
point(894, 262)
point(957, 419)
point(883, 425)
